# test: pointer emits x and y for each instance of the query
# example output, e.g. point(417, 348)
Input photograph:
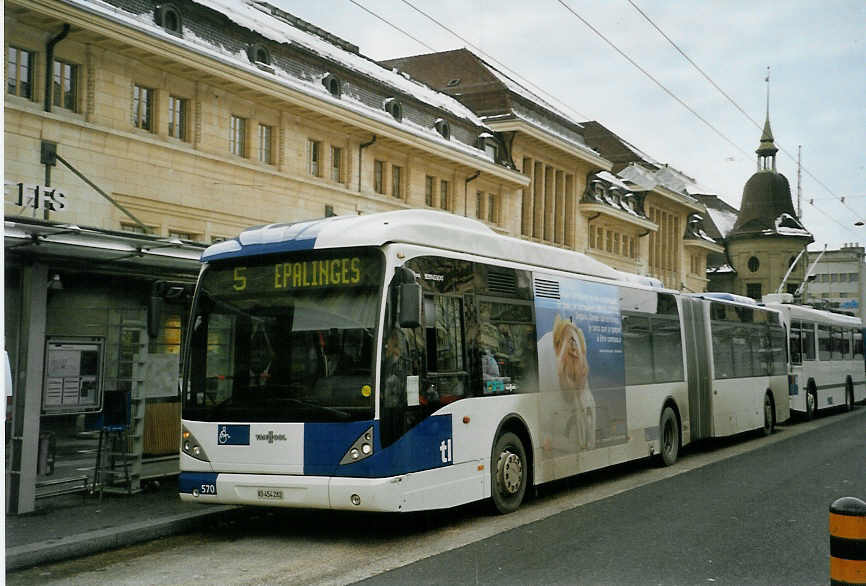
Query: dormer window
point(260, 57)
point(333, 84)
point(394, 108)
point(169, 18)
point(443, 128)
point(490, 145)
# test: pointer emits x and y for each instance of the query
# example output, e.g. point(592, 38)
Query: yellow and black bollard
point(848, 541)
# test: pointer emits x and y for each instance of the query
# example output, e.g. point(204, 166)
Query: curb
point(91, 542)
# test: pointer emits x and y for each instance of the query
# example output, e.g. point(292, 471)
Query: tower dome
point(766, 208)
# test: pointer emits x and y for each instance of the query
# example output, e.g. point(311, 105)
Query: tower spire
point(767, 148)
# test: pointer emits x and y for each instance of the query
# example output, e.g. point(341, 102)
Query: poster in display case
point(73, 376)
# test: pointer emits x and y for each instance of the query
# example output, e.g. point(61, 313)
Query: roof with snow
point(491, 93)
point(302, 55)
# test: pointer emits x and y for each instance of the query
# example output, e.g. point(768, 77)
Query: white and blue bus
point(417, 360)
point(827, 362)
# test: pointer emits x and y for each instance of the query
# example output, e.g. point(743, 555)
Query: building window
point(379, 176)
point(65, 87)
point(314, 157)
point(336, 164)
point(479, 204)
point(19, 73)
point(238, 136)
point(754, 263)
point(443, 128)
point(333, 84)
point(182, 235)
point(178, 112)
point(444, 196)
point(491, 208)
point(265, 139)
point(142, 107)
point(397, 181)
point(214, 238)
point(753, 290)
point(169, 18)
point(137, 228)
point(428, 190)
point(492, 150)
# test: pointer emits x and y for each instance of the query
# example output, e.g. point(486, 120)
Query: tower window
point(754, 264)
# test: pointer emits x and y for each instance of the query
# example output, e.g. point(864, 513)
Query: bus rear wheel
point(811, 404)
point(769, 415)
point(670, 437)
point(508, 471)
point(849, 395)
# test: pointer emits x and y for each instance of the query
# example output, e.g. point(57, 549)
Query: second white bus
point(827, 362)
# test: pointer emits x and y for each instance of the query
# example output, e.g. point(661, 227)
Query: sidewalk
point(74, 525)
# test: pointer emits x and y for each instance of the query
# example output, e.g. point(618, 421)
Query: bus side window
point(796, 343)
point(506, 347)
point(825, 348)
point(846, 344)
point(858, 345)
point(808, 331)
point(447, 376)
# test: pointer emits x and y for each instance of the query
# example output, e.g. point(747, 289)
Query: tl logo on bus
point(445, 451)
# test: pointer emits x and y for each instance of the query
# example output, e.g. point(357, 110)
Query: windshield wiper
point(303, 403)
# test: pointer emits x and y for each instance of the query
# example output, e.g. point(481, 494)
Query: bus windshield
point(285, 339)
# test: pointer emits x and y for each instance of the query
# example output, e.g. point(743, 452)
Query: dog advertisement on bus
point(581, 370)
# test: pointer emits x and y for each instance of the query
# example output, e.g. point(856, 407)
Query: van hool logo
point(271, 437)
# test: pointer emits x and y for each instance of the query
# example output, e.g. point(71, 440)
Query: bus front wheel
point(508, 470)
point(669, 436)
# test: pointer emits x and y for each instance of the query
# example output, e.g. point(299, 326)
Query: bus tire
point(769, 415)
point(811, 403)
point(669, 437)
point(508, 473)
point(849, 395)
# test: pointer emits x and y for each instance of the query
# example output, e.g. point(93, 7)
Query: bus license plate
point(270, 494)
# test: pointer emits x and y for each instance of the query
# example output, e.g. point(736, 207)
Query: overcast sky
point(815, 50)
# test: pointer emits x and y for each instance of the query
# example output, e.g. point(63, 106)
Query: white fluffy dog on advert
point(568, 407)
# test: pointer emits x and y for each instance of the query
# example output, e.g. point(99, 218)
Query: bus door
point(698, 369)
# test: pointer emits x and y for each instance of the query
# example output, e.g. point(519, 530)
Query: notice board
point(73, 376)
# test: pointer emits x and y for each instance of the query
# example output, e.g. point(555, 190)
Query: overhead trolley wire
point(504, 67)
point(731, 100)
point(650, 75)
point(392, 25)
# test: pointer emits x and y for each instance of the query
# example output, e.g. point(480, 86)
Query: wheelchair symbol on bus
point(223, 436)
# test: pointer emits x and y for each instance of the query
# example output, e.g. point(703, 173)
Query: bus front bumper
point(429, 489)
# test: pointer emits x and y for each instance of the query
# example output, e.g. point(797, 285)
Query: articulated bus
point(416, 360)
point(827, 362)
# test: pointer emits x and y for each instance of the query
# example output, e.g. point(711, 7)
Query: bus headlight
point(360, 449)
point(191, 447)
